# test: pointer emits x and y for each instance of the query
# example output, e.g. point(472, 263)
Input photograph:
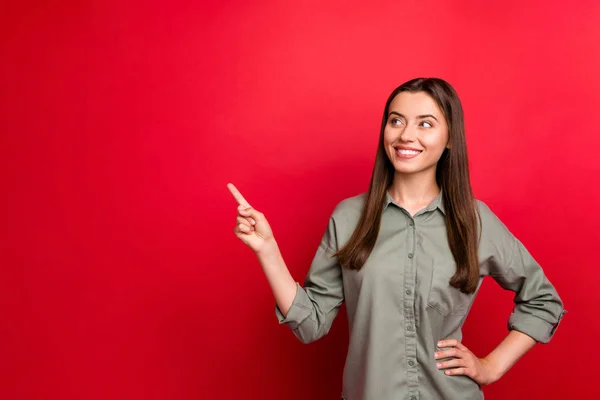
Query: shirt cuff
point(535, 327)
point(300, 309)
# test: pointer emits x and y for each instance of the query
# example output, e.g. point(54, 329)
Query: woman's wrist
point(495, 371)
point(269, 254)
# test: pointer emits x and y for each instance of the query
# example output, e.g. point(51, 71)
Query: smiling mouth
point(406, 152)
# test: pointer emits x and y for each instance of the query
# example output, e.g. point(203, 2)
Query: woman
point(408, 258)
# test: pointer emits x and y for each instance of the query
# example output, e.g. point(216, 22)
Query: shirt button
point(408, 292)
point(411, 363)
point(410, 328)
point(413, 398)
point(411, 223)
point(410, 255)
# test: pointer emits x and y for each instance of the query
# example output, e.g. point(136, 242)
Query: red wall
point(121, 125)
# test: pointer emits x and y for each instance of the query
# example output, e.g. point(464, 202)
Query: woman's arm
point(537, 312)
point(278, 275)
point(508, 352)
point(538, 309)
point(492, 367)
point(310, 310)
point(254, 230)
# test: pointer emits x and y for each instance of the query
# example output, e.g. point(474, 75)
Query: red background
point(122, 123)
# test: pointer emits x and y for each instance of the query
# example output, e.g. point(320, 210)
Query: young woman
point(408, 257)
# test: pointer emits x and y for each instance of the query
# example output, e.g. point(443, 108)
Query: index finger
point(237, 195)
point(451, 343)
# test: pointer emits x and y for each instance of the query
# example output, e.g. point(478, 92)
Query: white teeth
point(408, 152)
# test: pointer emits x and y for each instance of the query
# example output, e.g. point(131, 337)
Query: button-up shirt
point(400, 303)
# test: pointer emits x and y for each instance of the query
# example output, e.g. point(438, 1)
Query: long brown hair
point(452, 175)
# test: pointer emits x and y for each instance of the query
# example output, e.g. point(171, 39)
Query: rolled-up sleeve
point(538, 308)
point(317, 302)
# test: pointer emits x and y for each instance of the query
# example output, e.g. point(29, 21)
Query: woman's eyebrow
point(418, 117)
point(427, 116)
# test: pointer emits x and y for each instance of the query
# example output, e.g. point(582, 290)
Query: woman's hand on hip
point(464, 362)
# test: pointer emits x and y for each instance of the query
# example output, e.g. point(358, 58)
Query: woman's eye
point(396, 121)
point(426, 124)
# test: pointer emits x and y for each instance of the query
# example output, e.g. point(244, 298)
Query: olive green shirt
point(400, 304)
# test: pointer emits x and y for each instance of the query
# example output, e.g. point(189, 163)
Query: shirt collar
point(437, 202)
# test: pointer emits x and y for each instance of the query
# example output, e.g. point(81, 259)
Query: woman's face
point(416, 133)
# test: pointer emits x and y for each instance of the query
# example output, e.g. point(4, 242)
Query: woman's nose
point(408, 134)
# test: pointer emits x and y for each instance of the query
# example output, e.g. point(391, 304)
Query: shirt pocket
point(445, 299)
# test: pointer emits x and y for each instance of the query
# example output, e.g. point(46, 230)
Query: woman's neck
point(413, 192)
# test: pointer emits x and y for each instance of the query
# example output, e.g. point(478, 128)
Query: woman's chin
point(411, 170)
